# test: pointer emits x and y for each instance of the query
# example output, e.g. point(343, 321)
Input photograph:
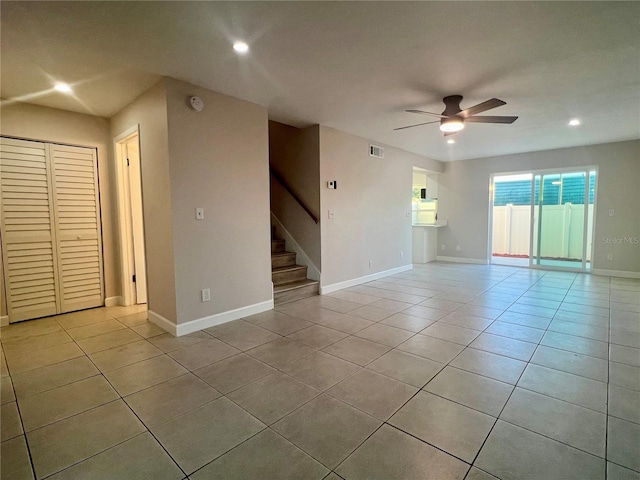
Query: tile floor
point(443, 372)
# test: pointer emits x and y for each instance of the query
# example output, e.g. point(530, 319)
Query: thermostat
point(196, 103)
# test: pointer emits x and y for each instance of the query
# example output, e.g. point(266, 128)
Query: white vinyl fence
point(562, 227)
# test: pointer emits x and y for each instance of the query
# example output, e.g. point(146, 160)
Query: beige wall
point(463, 199)
point(372, 206)
point(149, 111)
point(295, 155)
point(58, 126)
point(218, 161)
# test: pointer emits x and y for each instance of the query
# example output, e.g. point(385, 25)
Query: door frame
point(125, 232)
point(542, 172)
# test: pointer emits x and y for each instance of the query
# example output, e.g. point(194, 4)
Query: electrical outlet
point(370, 263)
point(442, 247)
point(458, 248)
point(205, 295)
point(612, 212)
point(609, 256)
point(401, 254)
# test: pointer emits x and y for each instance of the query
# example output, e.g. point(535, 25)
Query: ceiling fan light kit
point(451, 125)
point(453, 118)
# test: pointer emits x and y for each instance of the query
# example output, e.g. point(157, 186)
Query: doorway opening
point(131, 224)
point(511, 213)
point(543, 219)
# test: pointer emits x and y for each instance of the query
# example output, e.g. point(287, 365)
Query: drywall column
point(218, 161)
point(149, 111)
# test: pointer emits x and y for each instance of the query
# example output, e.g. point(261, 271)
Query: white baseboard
point(302, 259)
point(367, 278)
point(474, 261)
point(4, 320)
point(162, 322)
point(615, 273)
point(210, 321)
point(112, 301)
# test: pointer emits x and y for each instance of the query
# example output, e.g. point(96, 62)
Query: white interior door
point(79, 239)
point(28, 236)
point(51, 236)
point(137, 224)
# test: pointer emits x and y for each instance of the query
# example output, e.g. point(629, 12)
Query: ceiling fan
point(453, 118)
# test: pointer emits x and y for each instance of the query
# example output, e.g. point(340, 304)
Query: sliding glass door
point(562, 214)
point(549, 226)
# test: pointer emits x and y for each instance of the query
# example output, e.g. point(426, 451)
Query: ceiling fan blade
point(498, 119)
point(481, 107)
point(416, 125)
point(420, 112)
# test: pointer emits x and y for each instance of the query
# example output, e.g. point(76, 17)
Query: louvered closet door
point(78, 236)
point(28, 237)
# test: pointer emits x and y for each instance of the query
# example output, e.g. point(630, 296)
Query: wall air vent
point(376, 151)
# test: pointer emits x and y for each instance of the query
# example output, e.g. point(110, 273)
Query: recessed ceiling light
point(451, 141)
point(574, 122)
point(241, 47)
point(62, 87)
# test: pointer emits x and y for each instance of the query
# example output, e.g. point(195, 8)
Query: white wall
point(218, 160)
point(372, 207)
point(34, 122)
point(463, 200)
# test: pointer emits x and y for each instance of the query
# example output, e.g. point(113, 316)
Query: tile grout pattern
point(456, 363)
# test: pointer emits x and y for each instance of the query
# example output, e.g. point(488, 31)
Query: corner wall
point(149, 111)
point(371, 208)
point(463, 200)
point(218, 160)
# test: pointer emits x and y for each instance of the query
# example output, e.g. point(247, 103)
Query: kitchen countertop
point(434, 225)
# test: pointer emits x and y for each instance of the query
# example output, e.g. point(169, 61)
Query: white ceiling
point(354, 66)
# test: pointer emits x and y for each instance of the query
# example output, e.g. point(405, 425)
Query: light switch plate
point(199, 213)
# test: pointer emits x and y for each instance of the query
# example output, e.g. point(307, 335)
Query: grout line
point(430, 444)
point(486, 438)
point(606, 425)
point(468, 302)
point(24, 432)
point(121, 398)
point(518, 381)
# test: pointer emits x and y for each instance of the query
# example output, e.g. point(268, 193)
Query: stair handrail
point(288, 188)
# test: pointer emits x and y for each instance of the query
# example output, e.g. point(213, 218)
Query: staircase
point(290, 281)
